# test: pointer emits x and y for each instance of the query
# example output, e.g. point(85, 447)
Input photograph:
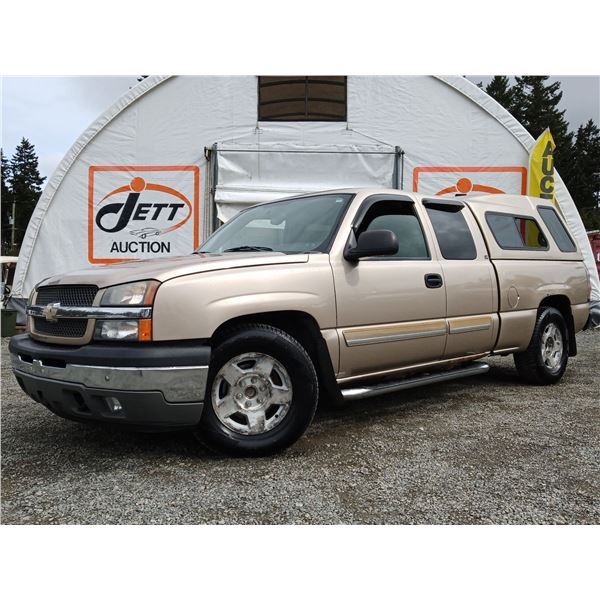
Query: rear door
point(470, 281)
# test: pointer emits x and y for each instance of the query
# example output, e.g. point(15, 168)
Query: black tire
point(530, 364)
point(260, 338)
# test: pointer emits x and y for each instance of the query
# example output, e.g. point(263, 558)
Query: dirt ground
point(485, 449)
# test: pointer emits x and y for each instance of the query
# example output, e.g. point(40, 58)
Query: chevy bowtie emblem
point(51, 311)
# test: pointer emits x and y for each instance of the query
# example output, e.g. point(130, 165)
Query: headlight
point(136, 293)
point(117, 330)
point(124, 330)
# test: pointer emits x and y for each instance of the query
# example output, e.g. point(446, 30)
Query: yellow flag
point(541, 167)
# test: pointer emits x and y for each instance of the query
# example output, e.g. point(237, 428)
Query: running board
point(367, 391)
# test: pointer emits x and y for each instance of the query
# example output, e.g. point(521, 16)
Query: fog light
point(117, 330)
point(114, 405)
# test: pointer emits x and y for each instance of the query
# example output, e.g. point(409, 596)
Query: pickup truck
point(337, 295)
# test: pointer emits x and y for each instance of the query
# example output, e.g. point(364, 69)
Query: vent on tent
point(309, 98)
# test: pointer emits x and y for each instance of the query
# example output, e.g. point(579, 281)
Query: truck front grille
point(68, 328)
point(67, 295)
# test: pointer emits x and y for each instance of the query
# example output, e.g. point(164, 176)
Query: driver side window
point(401, 218)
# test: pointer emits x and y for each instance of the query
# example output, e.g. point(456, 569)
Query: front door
point(391, 310)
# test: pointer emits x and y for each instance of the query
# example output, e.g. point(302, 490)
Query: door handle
point(433, 280)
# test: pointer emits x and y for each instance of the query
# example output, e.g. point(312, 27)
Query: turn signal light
point(145, 330)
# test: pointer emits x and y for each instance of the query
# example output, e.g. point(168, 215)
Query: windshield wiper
point(249, 249)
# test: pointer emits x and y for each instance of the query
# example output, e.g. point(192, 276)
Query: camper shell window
point(557, 230)
point(514, 232)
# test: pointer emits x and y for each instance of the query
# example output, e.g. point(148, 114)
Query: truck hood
point(163, 269)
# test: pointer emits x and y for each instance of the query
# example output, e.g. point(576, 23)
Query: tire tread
point(528, 363)
point(233, 334)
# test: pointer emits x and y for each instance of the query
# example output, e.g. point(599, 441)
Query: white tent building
point(171, 158)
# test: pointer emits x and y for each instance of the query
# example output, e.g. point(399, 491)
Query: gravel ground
point(482, 450)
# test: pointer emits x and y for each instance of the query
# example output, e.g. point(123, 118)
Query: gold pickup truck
point(341, 294)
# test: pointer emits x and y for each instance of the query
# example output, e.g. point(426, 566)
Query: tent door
point(241, 176)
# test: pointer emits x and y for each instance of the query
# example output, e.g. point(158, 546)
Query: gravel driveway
point(480, 450)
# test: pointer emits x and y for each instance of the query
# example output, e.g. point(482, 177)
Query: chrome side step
point(366, 391)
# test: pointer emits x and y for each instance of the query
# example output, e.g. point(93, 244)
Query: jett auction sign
point(139, 212)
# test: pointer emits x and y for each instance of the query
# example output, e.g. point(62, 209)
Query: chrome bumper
point(177, 384)
point(53, 312)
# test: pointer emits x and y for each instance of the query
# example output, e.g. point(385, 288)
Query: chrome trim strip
point(94, 312)
point(178, 384)
point(412, 382)
point(467, 328)
point(395, 337)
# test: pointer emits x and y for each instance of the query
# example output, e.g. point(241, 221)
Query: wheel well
point(301, 326)
point(563, 305)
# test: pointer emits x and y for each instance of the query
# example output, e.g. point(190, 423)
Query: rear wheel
point(545, 360)
point(261, 394)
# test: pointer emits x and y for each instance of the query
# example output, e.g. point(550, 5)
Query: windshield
point(299, 225)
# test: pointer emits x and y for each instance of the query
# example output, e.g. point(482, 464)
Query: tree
point(534, 102)
point(535, 105)
point(501, 91)
point(585, 181)
point(6, 202)
point(26, 186)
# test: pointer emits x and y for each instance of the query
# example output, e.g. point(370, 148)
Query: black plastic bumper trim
point(147, 354)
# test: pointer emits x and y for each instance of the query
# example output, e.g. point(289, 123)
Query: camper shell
point(363, 292)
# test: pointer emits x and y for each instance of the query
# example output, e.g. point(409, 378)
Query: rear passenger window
point(516, 233)
point(452, 232)
point(400, 218)
point(557, 229)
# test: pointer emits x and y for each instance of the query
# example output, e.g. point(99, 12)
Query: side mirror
point(378, 242)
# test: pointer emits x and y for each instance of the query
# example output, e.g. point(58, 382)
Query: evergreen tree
point(535, 105)
point(5, 202)
point(26, 186)
point(585, 181)
point(534, 102)
point(500, 90)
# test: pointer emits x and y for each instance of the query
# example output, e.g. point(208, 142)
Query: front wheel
point(261, 395)
point(545, 360)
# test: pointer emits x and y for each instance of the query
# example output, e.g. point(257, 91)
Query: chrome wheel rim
point(552, 347)
point(251, 393)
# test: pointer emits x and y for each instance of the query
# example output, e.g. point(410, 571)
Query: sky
point(53, 111)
